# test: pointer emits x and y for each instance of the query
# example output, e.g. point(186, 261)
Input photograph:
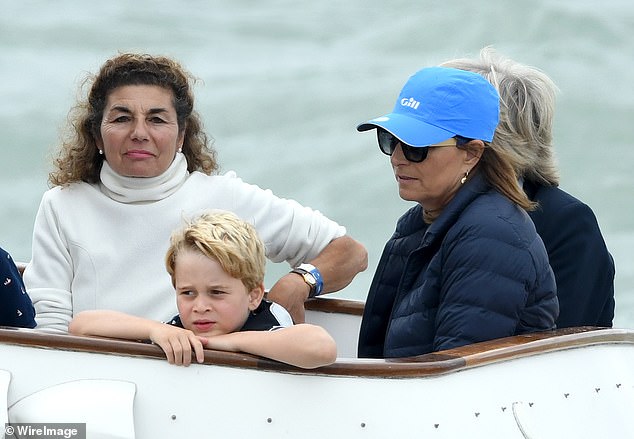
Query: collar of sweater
point(144, 189)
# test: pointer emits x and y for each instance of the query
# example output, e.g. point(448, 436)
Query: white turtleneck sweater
point(102, 246)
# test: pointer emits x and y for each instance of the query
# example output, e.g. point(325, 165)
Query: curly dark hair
point(78, 158)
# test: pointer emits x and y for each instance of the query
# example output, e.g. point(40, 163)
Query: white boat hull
point(577, 385)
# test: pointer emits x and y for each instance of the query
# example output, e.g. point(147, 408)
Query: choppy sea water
point(283, 84)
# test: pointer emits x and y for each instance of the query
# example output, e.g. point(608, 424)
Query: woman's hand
point(339, 262)
point(291, 292)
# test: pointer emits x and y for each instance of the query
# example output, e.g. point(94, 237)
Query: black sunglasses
point(415, 154)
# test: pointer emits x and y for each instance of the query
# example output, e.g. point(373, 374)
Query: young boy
point(217, 267)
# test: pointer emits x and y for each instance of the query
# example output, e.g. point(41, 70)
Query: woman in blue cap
point(465, 264)
point(581, 261)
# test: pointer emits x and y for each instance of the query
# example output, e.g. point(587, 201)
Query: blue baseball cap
point(437, 103)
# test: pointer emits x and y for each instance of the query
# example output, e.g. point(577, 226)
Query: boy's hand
point(177, 343)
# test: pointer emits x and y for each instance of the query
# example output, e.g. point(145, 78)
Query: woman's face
point(210, 301)
point(434, 181)
point(139, 130)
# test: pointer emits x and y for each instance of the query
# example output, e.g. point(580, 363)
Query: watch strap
point(312, 277)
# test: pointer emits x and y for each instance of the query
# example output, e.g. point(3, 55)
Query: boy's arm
point(177, 343)
point(303, 345)
point(108, 323)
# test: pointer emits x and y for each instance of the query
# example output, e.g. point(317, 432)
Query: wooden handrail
point(330, 305)
point(425, 365)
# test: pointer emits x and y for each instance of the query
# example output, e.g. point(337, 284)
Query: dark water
point(283, 84)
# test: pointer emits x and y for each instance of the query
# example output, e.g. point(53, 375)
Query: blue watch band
point(319, 281)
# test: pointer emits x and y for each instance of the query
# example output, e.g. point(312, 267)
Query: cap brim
point(407, 129)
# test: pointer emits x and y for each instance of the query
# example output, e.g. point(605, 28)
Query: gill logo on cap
point(411, 102)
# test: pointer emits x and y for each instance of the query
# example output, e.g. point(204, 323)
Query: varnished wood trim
point(425, 365)
point(332, 305)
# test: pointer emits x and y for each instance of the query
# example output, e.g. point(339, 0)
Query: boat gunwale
point(436, 363)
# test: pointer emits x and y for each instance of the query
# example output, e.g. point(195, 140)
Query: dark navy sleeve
point(16, 308)
point(583, 267)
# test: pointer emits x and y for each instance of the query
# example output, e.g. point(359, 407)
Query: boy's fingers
point(198, 349)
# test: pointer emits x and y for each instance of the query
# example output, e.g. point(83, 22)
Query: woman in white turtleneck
point(135, 165)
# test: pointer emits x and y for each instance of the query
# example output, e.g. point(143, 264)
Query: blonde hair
point(527, 109)
point(223, 236)
point(78, 158)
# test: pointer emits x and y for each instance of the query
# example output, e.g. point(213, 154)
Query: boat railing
point(436, 363)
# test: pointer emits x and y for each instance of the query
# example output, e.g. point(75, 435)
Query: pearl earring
point(180, 149)
point(101, 152)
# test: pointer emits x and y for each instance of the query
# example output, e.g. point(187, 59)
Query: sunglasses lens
point(414, 154)
point(387, 142)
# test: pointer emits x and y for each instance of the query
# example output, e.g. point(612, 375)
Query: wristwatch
point(312, 277)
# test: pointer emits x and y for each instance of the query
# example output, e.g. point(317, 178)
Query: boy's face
point(211, 302)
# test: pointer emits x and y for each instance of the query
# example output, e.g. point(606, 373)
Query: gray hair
point(527, 108)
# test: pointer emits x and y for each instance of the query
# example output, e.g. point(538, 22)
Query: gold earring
point(463, 179)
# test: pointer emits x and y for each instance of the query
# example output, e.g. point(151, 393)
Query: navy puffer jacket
point(479, 272)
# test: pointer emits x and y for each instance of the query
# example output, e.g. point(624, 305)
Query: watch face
point(310, 279)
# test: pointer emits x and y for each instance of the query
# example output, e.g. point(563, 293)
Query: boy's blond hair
point(223, 236)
